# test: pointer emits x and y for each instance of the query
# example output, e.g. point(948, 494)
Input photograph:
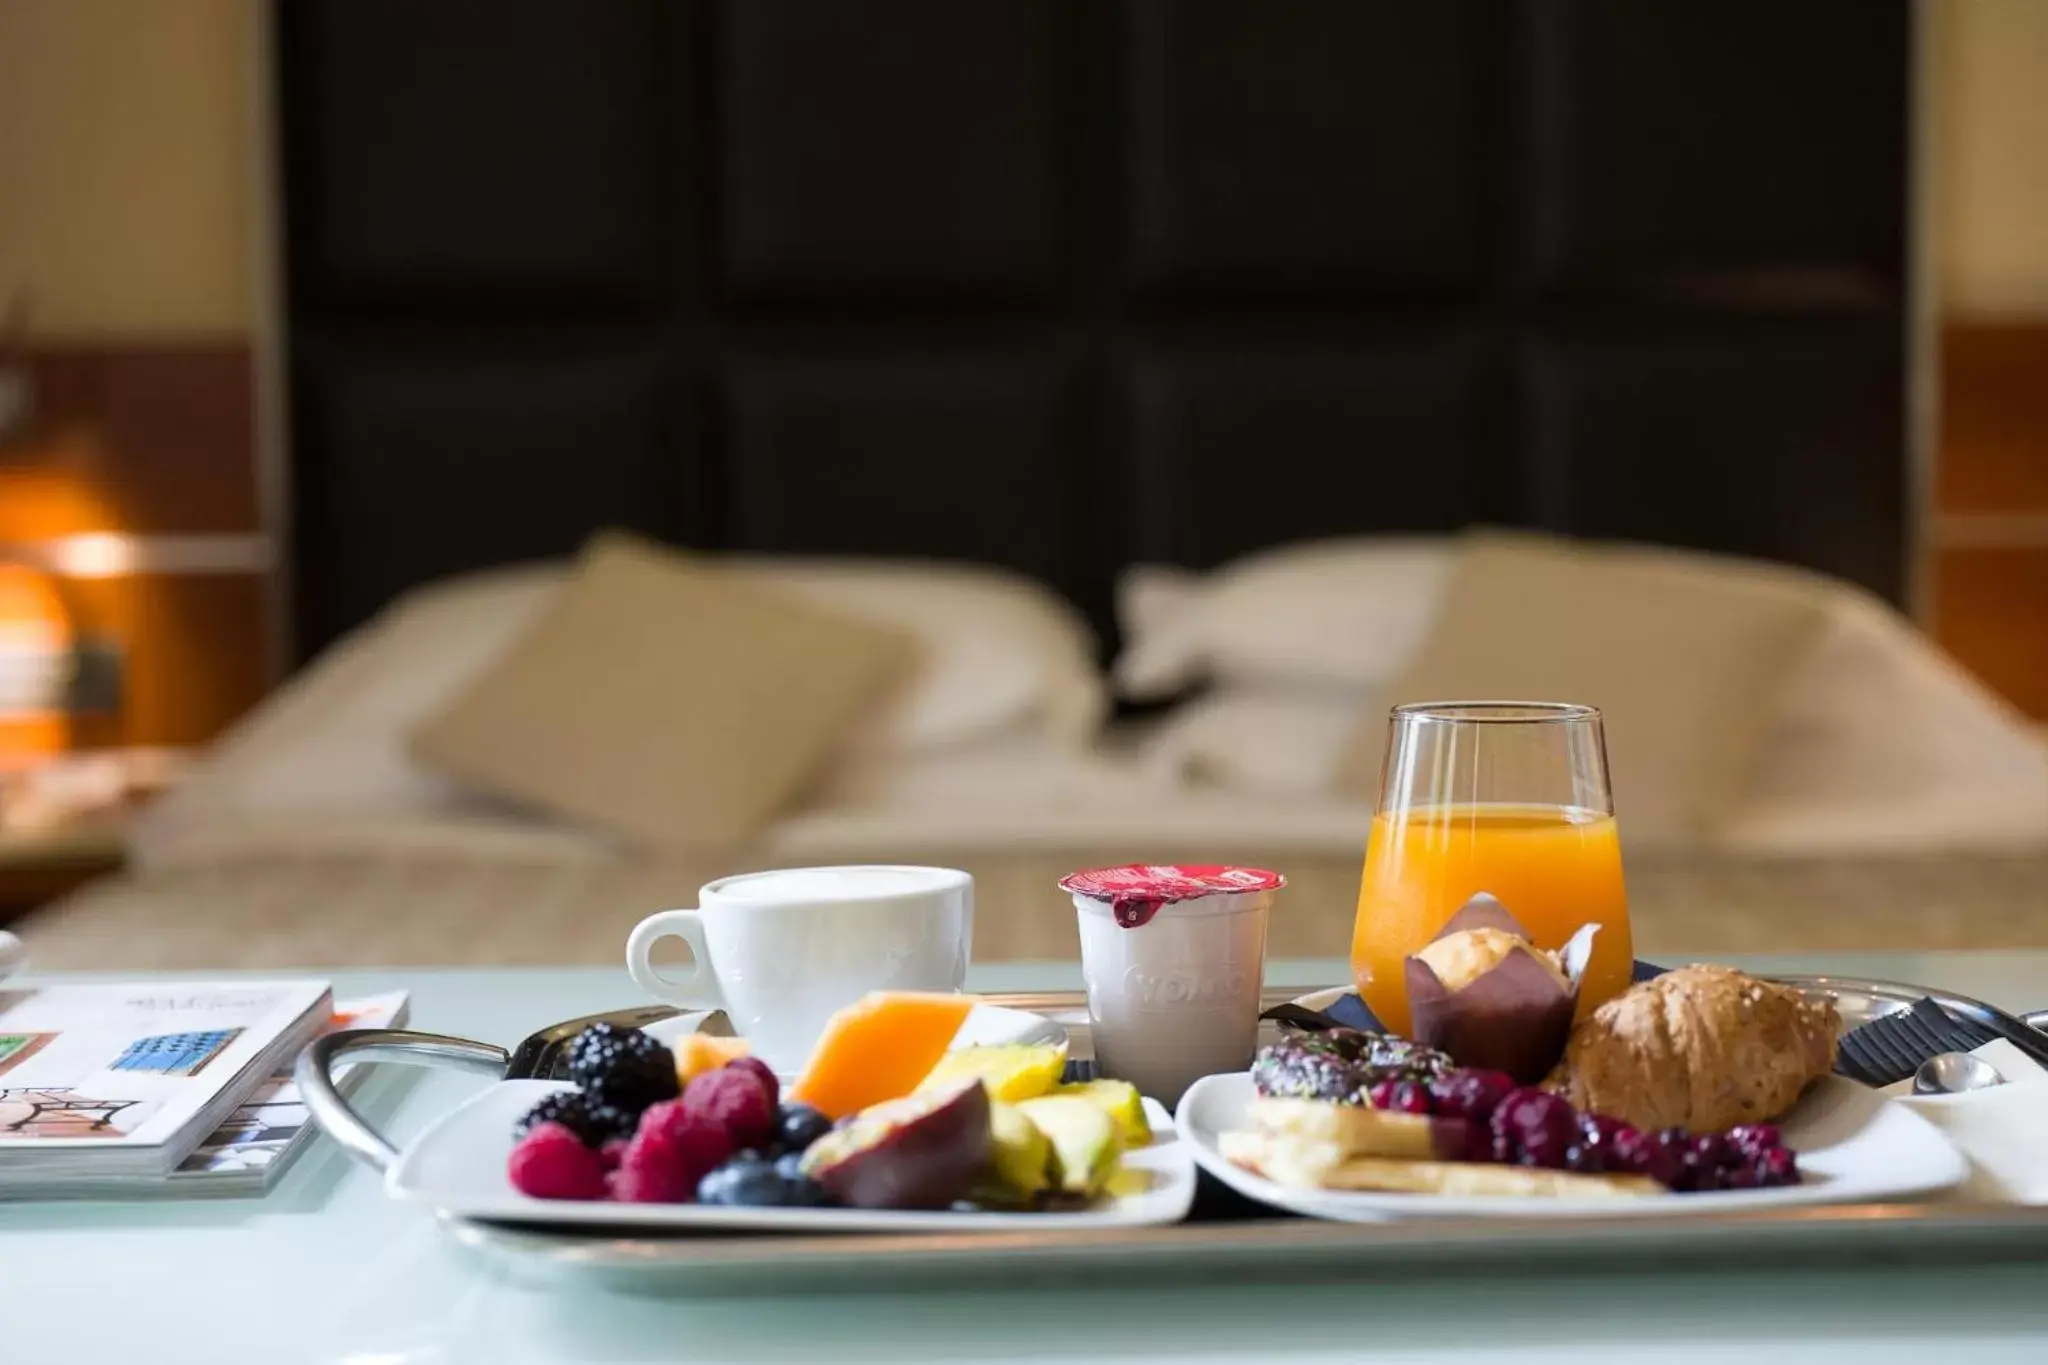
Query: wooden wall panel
point(1994, 429)
point(152, 439)
point(146, 441)
point(1990, 568)
point(1991, 611)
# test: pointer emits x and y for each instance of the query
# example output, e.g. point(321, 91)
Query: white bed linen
point(1882, 744)
point(1007, 664)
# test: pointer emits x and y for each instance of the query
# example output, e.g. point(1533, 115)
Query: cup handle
point(699, 989)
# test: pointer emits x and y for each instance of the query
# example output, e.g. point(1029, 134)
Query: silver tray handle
point(314, 1075)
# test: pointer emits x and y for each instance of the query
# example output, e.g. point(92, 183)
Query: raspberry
point(734, 1098)
point(1711, 1151)
point(612, 1153)
point(1470, 1094)
point(622, 1067)
point(1600, 1131)
point(1646, 1154)
point(551, 1162)
point(1411, 1098)
point(1754, 1139)
point(764, 1072)
point(674, 1148)
point(1539, 1125)
point(1585, 1159)
point(1778, 1166)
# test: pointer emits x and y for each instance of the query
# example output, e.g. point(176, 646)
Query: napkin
point(1997, 1130)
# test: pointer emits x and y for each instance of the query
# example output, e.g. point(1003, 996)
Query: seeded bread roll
point(1703, 1047)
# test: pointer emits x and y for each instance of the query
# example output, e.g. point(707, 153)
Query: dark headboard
point(1068, 284)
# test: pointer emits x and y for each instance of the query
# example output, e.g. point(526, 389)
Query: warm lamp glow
point(35, 662)
point(51, 493)
point(97, 554)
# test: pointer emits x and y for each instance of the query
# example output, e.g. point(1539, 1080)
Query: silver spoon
point(1952, 1073)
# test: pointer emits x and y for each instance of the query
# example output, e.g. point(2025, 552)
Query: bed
point(1900, 805)
point(1087, 295)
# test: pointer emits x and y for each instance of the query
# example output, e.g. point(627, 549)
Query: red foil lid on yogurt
point(1135, 892)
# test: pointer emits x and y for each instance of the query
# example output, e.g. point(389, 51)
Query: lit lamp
point(37, 658)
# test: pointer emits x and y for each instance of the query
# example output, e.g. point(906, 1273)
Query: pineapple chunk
point(1011, 1071)
point(1119, 1100)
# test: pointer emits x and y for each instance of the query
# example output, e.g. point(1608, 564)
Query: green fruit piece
point(1084, 1141)
point(1020, 1166)
point(1011, 1071)
point(1119, 1100)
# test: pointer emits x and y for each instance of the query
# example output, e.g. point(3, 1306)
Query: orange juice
point(1555, 868)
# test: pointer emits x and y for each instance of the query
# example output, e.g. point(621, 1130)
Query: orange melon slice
point(879, 1048)
point(697, 1053)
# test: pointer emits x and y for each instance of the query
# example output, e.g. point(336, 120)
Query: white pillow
point(1884, 742)
point(1003, 656)
point(1267, 742)
point(1347, 613)
point(1000, 652)
point(1880, 742)
point(1004, 772)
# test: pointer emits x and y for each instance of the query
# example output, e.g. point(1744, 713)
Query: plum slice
point(924, 1151)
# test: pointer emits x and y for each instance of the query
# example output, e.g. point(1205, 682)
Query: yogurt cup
point(1174, 959)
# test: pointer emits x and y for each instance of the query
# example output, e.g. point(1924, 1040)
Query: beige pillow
point(1684, 655)
point(661, 698)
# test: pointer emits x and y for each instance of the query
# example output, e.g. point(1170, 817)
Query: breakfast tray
point(1225, 1238)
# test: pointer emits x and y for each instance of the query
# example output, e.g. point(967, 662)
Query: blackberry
point(612, 1122)
point(1342, 1066)
point(595, 1124)
point(622, 1068)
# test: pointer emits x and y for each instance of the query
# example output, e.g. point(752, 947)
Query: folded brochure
point(256, 1142)
point(106, 1080)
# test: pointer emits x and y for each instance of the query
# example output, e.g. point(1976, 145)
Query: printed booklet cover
point(110, 1079)
point(251, 1149)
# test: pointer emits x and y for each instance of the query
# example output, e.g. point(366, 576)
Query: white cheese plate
point(1855, 1146)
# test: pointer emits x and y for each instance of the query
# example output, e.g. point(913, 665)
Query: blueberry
point(743, 1182)
point(797, 1126)
point(799, 1189)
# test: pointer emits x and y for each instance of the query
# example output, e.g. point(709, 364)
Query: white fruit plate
point(1854, 1145)
point(458, 1166)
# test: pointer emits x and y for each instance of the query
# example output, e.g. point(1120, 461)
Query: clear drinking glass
point(1506, 797)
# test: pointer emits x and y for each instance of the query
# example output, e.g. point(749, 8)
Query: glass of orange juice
point(1509, 798)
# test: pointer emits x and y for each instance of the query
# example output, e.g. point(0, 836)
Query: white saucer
point(13, 953)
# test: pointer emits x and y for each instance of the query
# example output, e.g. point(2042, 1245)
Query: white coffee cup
point(781, 952)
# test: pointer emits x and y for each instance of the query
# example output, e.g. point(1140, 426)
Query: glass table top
point(325, 1268)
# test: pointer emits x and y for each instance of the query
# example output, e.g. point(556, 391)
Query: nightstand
point(66, 821)
point(36, 868)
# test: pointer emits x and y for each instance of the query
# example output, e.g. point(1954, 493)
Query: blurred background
point(1149, 365)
